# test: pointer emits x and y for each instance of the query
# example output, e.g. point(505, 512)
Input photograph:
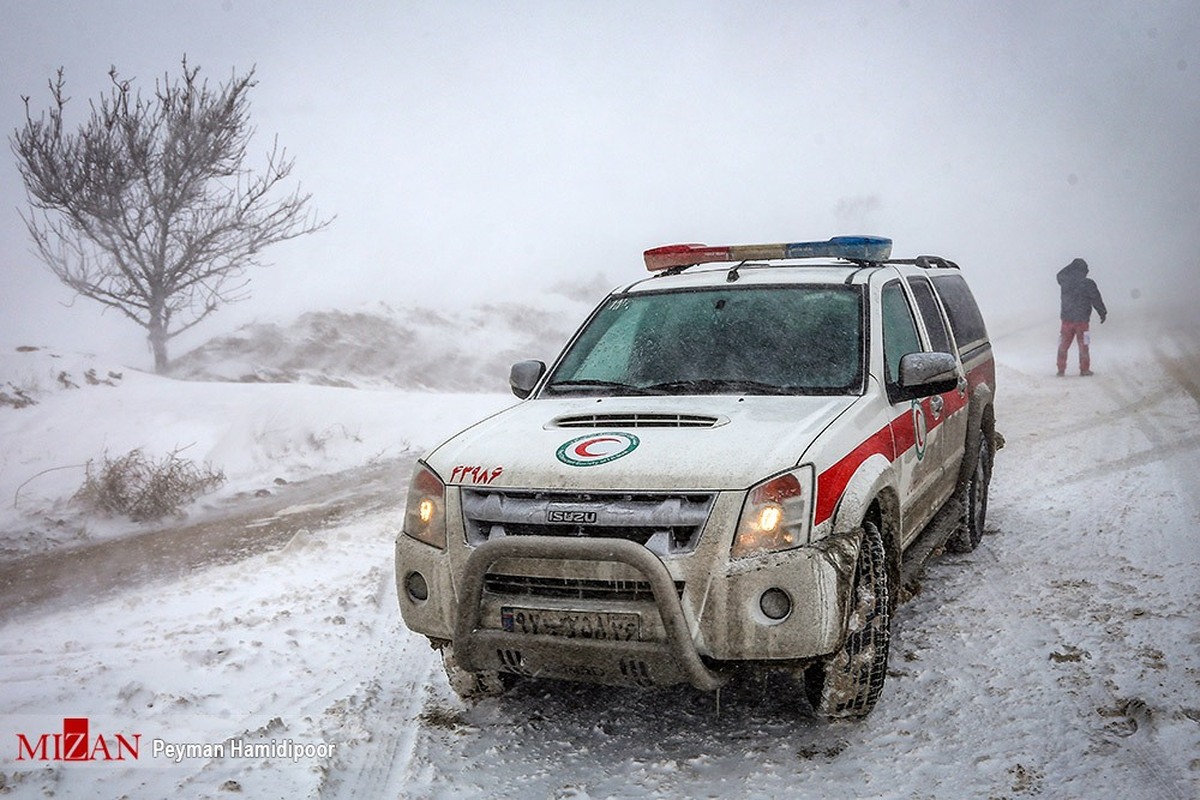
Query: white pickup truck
point(737, 461)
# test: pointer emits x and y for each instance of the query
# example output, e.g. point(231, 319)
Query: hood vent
point(636, 420)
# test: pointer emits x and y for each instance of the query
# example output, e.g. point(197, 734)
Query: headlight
point(425, 516)
point(776, 514)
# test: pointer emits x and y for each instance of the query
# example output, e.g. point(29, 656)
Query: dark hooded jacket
point(1079, 293)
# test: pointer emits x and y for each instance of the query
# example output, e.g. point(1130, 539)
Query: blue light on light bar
point(853, 248)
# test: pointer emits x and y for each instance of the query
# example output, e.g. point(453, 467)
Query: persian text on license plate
point(613, 626)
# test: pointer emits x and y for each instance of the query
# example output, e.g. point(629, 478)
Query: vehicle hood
point(625, 443)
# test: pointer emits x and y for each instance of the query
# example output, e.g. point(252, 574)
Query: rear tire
point(847, 684)
point(470, 686)
point(970, 528)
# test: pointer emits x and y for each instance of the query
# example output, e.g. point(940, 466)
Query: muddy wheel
point(472, 685)
point(970, 528)
point(847, 684)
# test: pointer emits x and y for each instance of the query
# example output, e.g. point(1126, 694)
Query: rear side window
point(965, 319)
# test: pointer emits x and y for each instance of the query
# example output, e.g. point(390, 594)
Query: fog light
point(775, 603)
point(417, 588)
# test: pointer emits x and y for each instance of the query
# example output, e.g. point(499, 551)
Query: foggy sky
point(479, 149)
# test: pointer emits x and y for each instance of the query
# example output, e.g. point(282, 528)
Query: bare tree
point(148, 207)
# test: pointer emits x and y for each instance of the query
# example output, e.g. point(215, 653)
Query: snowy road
point(1059, 660)
point(62, 578)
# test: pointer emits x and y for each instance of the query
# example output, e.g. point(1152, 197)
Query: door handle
point(935, 404)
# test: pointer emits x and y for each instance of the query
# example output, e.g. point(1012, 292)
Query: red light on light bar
point(684, 255)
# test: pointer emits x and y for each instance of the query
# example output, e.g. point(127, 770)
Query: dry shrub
point(137, 486)
point(18, 398)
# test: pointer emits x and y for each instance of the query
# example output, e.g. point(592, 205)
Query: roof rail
point(926, 262)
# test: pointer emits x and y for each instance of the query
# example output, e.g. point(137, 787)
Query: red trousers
point(1072, 331)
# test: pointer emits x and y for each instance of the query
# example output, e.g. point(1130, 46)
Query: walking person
point(1079, 296)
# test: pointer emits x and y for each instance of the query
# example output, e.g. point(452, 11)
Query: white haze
point(474, 151)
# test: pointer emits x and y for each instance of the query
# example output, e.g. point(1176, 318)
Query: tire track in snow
point(1120, 413)
point(1165, 444)
point(1133, 403)
point(395, 700)
point(1182, 448)
point(1182, 369)
point(394, 718)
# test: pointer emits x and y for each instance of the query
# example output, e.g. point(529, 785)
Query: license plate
point(603, 625)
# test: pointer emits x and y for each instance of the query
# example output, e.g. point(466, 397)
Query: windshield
point(758, 340)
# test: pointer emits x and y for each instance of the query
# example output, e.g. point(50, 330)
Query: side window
point(899, 330)
point(928, 306)
point(965, 319)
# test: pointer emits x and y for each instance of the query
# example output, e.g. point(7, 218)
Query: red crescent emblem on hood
point(582, 451)
point(592, 449)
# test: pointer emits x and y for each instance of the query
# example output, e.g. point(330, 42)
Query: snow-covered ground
point(1061, 659)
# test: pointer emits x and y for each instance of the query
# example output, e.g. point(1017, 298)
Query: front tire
point(847, 684)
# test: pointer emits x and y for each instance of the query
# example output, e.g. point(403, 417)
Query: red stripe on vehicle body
point(833, 481)
point(890, 441)
point(985, 372)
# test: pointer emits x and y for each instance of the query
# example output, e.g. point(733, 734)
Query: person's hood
point(1075, 271)
point(627, 443)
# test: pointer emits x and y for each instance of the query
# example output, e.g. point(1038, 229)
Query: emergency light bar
point(851, 248)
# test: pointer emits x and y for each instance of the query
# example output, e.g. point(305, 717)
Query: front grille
point(637, 420)
point(663, 523)
point(679, 535)
point(571, 588)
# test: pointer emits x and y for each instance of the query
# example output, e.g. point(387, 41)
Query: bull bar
point(674, 660)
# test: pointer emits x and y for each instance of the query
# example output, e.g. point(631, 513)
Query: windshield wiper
point(716, 385)
point(586, 383)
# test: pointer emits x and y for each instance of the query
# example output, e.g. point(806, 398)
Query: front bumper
point(697, 611)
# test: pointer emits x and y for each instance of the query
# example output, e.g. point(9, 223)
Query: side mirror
point(524, 376)
point(925, 374)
